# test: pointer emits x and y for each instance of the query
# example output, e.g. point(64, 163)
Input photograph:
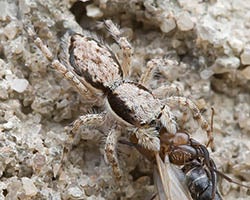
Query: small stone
point(7, 10)
point(225, 64)
point(185, 22)
point(4, 90)
point(39, 161)
point(3, 9)
point(206, 73)
point(2, 64)
point(12, 121)
point(245, 124)
point(207, 32)
point(10, 30)
point(246, 72)
point(93, 11)
point(25, 6)
point(9, 125)
point(14, 188)
point(16, 46)
point(176, 43)
point(236, 44)
point(75, 192)
point(19, 85)
point(29, 187)
point(167, 25)
point(245, 56)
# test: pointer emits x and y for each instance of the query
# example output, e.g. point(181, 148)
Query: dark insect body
point(199, 182)
point(182, 150)
point(198, 176)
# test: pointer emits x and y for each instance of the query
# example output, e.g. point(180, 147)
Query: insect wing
point(170, 181)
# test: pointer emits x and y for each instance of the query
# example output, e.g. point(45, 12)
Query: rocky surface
point(206, 51)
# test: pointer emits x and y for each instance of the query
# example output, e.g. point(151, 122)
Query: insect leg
point(213, 178)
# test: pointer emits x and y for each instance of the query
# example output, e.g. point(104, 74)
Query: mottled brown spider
point(95, 71)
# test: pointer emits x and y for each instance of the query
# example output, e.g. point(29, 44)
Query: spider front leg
point(123, 43)
point(183, 101)
point(57, 65)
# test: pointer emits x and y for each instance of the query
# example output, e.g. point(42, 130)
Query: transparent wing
point(170, 181)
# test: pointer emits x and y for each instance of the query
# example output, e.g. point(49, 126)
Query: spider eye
point(143, 123)
point(152, 122)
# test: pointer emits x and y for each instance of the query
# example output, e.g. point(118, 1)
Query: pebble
point(206, 73)
point(245, 56)
point(75, 192)
point(4, 90)
point(168, 25)
point(246, 72)
point(236, 44)
point(29, 187)
point(39, 161)
point(19, 85)
point(225, 64)
point(7, 10)
point(11, 30)
point(16, 46)
point(185, 22)
point(93, 11)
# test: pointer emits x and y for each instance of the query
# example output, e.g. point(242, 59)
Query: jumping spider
point(94, 70)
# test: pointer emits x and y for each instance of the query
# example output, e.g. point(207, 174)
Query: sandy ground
point(206, 51)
